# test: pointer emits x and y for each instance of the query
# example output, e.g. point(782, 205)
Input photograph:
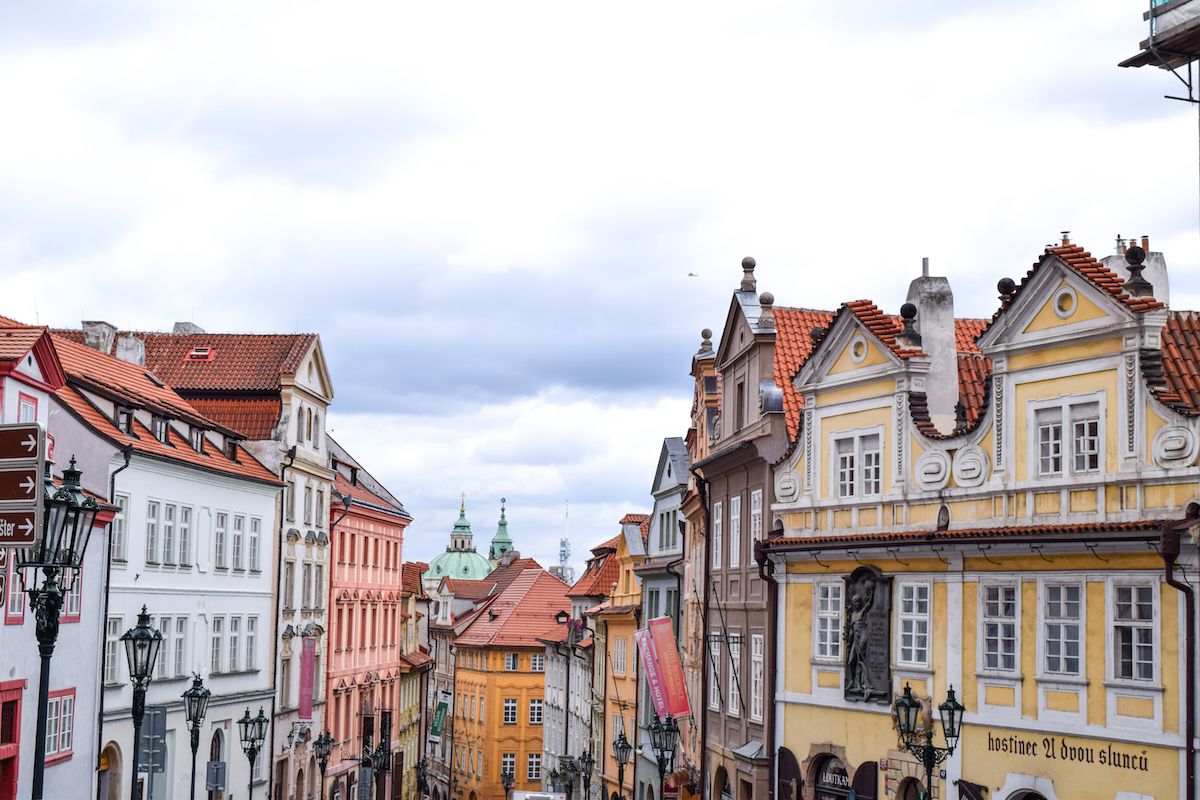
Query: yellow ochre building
point(1003, 507)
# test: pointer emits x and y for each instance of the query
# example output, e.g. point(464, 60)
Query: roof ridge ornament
point(749, 284)
point(1137, 285)
point(908, 337)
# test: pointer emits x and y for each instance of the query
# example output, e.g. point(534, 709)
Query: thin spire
point(462, 505)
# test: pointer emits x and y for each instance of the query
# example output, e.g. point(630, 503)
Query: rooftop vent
point(200, 354)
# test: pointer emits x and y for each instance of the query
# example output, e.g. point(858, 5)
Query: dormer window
point(162, 430)
point(231, 451)
point(198, 439)
point(200, 354)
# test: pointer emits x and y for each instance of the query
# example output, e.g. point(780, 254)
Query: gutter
point(766, 573)
point(1170, 546)
point(702, 488)
point(1114, 537)
point(127, 454)
point(291, 457)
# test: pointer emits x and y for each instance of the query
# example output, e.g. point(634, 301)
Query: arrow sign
point(20, 441)
point(17, 527)
point(18, 484)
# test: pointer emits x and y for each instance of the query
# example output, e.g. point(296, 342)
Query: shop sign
point(833, 782)
point(1131, 758)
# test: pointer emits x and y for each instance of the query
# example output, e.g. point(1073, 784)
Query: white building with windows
point(192, 543)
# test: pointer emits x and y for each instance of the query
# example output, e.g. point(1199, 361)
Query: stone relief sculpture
point(866, 634)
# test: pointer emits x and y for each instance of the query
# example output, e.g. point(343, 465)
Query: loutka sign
point(22, 488)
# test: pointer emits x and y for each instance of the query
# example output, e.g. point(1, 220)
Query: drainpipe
point(283, 468)
point(637, 700)
point(766, 572)
point(127, 454)
point(1169, 545)
point(702, 488)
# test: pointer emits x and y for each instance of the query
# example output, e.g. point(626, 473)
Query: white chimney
point(131, 349)
point(935, 323)
point(1155, 268)
point(99, 335)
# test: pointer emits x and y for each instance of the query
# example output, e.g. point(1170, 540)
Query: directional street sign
point(22, 489)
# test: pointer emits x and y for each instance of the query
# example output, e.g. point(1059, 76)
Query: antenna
point(564, 548)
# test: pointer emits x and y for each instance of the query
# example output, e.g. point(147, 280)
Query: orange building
point(499, 684)
point(616, 620)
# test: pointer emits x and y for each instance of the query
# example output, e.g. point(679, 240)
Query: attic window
point(231, 449)
point(200, 354)
point(198, 439)
point(124, 420)
point(162, 430)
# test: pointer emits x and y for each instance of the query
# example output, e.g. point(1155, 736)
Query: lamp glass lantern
point(622, 749)
point(195, 702)
point(67, 526)
point(951, 712)
point(663, 736)
point(907, 710)
point(252, 730)
point(322, 747)
point(142, 644)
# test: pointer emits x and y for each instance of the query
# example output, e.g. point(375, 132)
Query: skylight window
point(200, 354)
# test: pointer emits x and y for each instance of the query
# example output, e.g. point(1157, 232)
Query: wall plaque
point(867, 635)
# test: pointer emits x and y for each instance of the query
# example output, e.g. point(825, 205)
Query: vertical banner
point(439, 716)
point(650, 664)
point(308, 656)
point(666, 648)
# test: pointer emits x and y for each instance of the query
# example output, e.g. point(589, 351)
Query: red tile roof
point(467, 589)
point(247, 362)
point(16, 342)
point(362, 494)
point(253, 417)
point(598, 577)
point(917, 537)
point(410, 577)
point(519, 614)
point(886, 327)
point(505, 574)
point(1174, 376)
point(793, 346)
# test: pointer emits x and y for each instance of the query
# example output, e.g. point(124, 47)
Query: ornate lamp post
point(621, 752)
point(195, 703)
point(323, 747)
point(908, 710)
point(141, 651)
point(509, 780)
point(422, 772)
point(567, 771)
point(586, 765)
point(663, 738)
point(252, 731)
point(58, 552)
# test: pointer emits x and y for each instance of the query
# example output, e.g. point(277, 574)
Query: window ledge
point(172, 679)
point(826, 663)
point(1070, 680)
point(58, 758)
point(914, 669)
point(995, 675)
point(1145, 686)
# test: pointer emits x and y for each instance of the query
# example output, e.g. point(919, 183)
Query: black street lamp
point(195, 703)
point(568, 769)
point(509, 780)
point(621, 752)
point(663, 738)
point(252, 731)
point(422, 772)
point(141, 651)
point(57, 551)
point(323, 747)
point(908, 710)
point(586, 765)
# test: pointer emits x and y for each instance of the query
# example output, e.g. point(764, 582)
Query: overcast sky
point(489, 211)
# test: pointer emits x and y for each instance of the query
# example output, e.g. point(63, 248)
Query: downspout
point(291, 457)
point(127, 454)
point(702, 488)
point(1170, 546)
point(766, 572)
point(637, 699)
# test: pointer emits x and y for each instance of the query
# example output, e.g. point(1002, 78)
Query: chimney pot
point(1146, 243)
point(1066, 238)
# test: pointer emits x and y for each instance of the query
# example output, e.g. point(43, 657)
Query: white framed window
point(828, 612)
point(307, 584)
point(510, 662)
point(220, 529)
point(510, 711)
point(308, 505)
point(179, 651)
point(162, 430)
point(533, 769)
point(118, 528)
point(255, 539)
point(1133, 620)
point(757, 652)
point(734, 704)
point(235, 643)
point(858, 464)
point(185, 536)
point(537, 662)
point(239, 538)
point(152, 514)
point(1062, 628)
point(168, 533)
point(1069, 438)
point(251, 643)
point(735, 531)
point(162, 666)
point(535, 711)
point(320, 508)
point(289, 501)
point(718, 544)
point(60, 724)
point(218, 645)
point(914, 624)
point(114, 650)
point(619, 656)
point(756, 516)
point(714, 670)
point(318, 582)
point(999, 612)
point(198, 439)
point(508, 765)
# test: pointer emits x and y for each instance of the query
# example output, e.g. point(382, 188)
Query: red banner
point(308, 657)
point(650, 665)
point(670, 669)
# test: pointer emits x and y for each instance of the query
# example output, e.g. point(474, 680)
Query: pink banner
point(670, 670)
point(308, 657)
point(650, 665)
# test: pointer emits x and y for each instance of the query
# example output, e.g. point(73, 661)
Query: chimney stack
point(131, 349)
point(186, 329)
point(99, 335)
point(1154, 267)
point(934, 321)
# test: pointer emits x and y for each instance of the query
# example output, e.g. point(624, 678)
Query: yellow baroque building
point(993, 506)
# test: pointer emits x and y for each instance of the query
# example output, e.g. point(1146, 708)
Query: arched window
point(300, 424)
point(317, 430)
point(310, 429)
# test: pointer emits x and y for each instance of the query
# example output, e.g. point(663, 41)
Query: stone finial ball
point(1006, 286)
point(706, 333)
point(1135, 254)
point(908, 311)
point(748, 263)
point(766, 299)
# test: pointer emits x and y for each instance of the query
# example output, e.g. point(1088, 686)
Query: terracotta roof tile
point(1173, 372)
point(253, 417)
point(16, 342)
point(410, 576)
point(248, 362)
point(598, 577)
point(916, 537)
point(793, 346)
point(886, 327)
point(520, 613)
point(362, 494)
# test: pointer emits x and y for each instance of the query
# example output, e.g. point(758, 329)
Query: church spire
point(461, 537)
point(501, 542)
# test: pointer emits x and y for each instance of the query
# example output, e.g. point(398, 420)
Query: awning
point(970, 791)
point(751, 750)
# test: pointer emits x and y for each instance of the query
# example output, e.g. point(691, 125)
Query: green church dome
point(460, 559)
point(501, 542)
